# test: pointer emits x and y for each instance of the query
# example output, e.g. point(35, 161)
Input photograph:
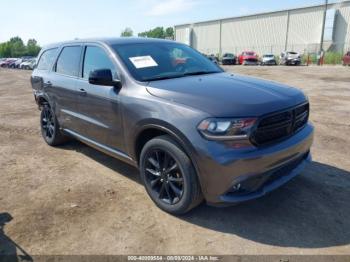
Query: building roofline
point(344, 2)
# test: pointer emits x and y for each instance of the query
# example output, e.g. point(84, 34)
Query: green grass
point(333, 58)
point(330, 58)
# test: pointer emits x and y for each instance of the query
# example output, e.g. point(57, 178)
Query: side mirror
point(103, 77)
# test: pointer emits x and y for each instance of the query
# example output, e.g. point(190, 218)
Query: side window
point(46, 59)
point(69, 61)
point(96, 58)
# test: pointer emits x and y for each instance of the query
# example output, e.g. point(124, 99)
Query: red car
point(8, 62)
point(346, 59)
point(248, 58)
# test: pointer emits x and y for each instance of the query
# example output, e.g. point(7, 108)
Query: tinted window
point(96, 58)
point(162, 60)
point(69, 60)
point(47, 59)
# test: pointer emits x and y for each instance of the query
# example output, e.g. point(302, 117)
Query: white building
point(297, 29)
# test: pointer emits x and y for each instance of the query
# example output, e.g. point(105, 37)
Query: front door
point(99, 106)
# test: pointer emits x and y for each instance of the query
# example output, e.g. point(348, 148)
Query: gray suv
point(195, 132)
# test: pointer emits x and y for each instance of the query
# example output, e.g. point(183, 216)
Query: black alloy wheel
point(48, 123)
point(164, 177)
point(50, 128)
point(169, 176)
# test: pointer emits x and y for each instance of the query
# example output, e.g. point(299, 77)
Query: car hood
point(227, 95)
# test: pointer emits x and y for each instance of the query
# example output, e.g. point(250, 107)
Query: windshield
point(228, 55)
point(268, 55)
point(249, 53)
point(157, 61)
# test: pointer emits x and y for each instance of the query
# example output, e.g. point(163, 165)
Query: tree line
point(158, 32)
point(15, 47)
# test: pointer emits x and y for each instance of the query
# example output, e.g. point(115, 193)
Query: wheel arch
point(41, 99)
point(155, 128)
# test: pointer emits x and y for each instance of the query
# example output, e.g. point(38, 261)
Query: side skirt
point(103, 148)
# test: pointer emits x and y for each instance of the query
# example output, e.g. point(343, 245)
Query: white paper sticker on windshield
point(143, 61)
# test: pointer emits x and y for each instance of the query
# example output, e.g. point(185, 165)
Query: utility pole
point(323, 24)
point(220, 40)
point(287, 32)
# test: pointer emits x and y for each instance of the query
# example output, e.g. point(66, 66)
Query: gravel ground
point(76, 200)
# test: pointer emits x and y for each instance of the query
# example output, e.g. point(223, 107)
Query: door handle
point(82, 91)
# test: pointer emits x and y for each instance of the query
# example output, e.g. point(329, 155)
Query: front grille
point(281, 125)
point(253, 60)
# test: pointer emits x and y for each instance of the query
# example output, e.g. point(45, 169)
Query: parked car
point(21, 60)
point(290, 58)
point(17, 62)
point(8, 62)
point(228, 59)
point(194, 131)
point(268, 59)
point(213, 58)
point(346, 59)
point(12, 64)
point(2, 61)
point(248, 58)
point(28, 64)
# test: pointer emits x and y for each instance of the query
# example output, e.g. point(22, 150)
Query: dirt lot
point(75, 200)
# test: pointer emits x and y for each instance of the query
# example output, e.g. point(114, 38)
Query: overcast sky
point(57, 20)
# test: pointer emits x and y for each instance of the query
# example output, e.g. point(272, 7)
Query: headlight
point(227, 129)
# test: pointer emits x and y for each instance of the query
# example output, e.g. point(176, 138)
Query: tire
point(169, 176)
point(50, 129)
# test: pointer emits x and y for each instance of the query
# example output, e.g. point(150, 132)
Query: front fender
point(172, 131)
point(165, 127)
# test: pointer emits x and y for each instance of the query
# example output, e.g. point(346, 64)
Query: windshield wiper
point(162, 77)
point(199, 73)
point(179, 75)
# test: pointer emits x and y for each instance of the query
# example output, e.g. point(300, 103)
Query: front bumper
point(269, 62)
point(256, 171)
point(294, 61)
point(228, 61)
point(250, 62)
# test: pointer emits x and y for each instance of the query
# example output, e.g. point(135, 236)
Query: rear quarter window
point(46, 59)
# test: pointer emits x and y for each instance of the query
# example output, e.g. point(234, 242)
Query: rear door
point(63, 85)
point(99, 106)
point(41, 74)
